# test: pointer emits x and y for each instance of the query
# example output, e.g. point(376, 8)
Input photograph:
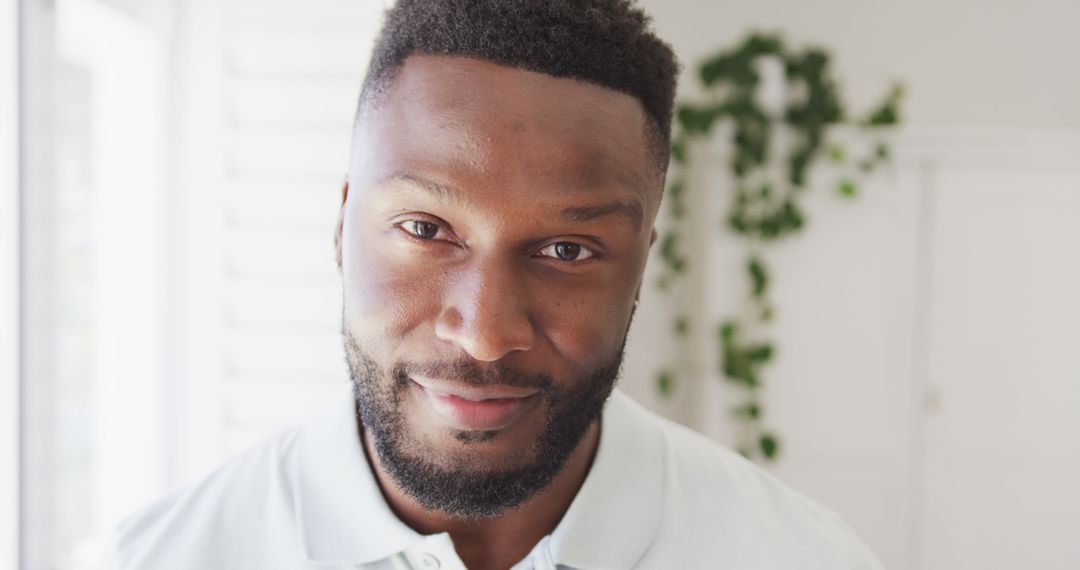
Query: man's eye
point(567, 251)
point(420, 228)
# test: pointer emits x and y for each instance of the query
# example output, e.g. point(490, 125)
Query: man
point(508, 163)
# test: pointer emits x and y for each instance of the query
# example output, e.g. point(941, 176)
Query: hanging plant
point(774, 147)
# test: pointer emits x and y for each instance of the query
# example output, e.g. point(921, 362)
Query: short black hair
point(605, 42)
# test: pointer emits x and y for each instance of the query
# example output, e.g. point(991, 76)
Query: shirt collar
point(342, 514)
point(344, 517)
point(616, 514)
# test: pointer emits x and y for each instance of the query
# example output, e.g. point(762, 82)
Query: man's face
point(493, 239)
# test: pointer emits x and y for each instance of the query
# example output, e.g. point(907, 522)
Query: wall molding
point(1005, 147)
point(9, 283)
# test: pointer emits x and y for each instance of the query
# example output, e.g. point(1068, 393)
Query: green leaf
point(791, 216)
point(815, 61)
point(758, 44)
point(698, 120)
point(715, 68)
point(664, 383)
point(740, 165)
point(737, 221)
point(675, 188)
point(668, 251)
point(769, 445)
point(885, 116)
point(675, 199)
point(678, 150)
point(758, 276)
point(837, 154)
point(667, 244)
point(761, 353)
point(848, 189)
point(799, 164)
point(888, 113)
point(769, 227)
point(692, 120)
point(739, 369)
point(727, 331)
point(750, 411)
point(682, 325)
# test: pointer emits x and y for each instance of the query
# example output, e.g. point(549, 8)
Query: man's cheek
point(382, 292)
point(585, 339)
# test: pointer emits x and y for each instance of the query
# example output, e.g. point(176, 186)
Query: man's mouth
point(475, 408)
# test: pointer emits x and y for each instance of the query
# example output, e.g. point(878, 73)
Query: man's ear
point(637, 294)
point(340, 223)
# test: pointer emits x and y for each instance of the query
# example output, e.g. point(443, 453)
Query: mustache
point(473, 373)
point(463, 370)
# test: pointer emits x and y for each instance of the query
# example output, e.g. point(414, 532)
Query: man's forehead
point(444, 110)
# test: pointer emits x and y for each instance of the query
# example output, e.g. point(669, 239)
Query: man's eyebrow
point(629, 210)
point(632, 211)
point(445, 191)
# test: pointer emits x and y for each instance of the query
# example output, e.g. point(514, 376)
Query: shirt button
point(429, 561)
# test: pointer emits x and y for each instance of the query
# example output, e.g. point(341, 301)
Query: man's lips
point(479, 408)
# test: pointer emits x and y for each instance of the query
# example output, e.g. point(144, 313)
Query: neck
point(502, 541)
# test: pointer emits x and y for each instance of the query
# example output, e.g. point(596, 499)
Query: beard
point(459, 488)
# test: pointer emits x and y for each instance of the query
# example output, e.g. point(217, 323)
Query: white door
point(1001, 470)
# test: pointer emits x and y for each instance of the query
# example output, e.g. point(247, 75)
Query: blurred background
point(170, 174)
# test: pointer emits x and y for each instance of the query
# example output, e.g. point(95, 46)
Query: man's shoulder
point(242, 499)
point(718, 501)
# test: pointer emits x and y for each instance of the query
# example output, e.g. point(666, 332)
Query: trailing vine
point(773, 150)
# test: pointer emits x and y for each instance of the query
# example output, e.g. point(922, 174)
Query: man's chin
point(475, 482)
point(475, 451)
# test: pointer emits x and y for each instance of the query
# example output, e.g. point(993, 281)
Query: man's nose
point(486, 311)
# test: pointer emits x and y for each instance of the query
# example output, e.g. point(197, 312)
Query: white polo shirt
point(658, 496)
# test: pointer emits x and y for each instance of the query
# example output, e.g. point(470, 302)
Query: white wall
point(967, 62)
point(969, 65)
point(923, 382)
point(922, 385)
